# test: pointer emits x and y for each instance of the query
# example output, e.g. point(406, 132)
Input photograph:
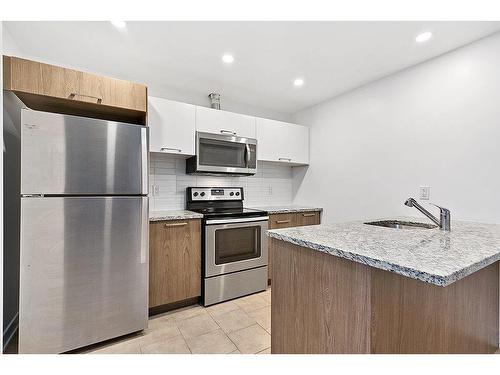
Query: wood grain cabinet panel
point(57, 82)
point(296, 219)
point(22, 75)
point(307, 218)
point(57, 89)
point(306, 315)
point(278, 221)
point(341, 306)
point(174, 261)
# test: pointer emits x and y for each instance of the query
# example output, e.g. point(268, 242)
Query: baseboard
point(10, 330)
point(173, 306)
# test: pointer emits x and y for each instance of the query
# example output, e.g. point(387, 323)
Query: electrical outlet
point(156, 190)
point(425, 193)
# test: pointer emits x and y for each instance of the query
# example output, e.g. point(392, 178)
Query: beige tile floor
point(239, 326)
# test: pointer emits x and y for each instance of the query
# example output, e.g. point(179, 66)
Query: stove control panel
point(215, 193)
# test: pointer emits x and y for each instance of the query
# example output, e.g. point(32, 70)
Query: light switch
point(425, 192)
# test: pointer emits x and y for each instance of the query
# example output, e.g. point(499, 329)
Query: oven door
point(235, 244)
point(216, 153)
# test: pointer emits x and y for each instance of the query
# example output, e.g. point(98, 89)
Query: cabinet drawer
point(308, 218)
point(277, 221)
point(174, 261)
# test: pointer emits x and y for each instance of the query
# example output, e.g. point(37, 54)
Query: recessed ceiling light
point(423, 37)
point(298, 82)
point(227, 58)
point(119, 24)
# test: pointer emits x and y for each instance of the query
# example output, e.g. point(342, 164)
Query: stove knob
point(195, 194)
point(202, 194)
point(237, 193)
point(231, 193)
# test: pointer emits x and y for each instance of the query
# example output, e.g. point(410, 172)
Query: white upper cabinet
point(221, 122)
point(171, 126)
point(282, 142)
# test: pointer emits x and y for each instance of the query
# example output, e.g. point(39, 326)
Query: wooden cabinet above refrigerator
point(56, 89)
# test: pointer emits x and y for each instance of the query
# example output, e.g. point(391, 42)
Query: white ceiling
point(332, 57)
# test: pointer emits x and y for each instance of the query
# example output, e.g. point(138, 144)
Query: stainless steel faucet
point(444, 222)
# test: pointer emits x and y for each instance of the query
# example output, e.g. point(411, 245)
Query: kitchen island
point(358, 288)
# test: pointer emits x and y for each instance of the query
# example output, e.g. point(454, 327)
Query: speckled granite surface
point(173, 215)
point(287, 209)
point(430, 255)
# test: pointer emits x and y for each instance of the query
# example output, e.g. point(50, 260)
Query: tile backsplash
point(270, 186)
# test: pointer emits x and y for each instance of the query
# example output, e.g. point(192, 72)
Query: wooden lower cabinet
point(278, 221)
point(340, 306)
point(307, 218)
point(296, 219)
point(174, 261)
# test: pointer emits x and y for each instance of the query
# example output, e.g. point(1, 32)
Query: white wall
point(270, 186)
point(9, 46)
point(435, 124)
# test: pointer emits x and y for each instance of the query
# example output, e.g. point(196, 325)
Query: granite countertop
point(287, 209)
point(173, 215)
point(430, 255)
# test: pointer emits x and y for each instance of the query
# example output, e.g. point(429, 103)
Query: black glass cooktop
point(212, 212)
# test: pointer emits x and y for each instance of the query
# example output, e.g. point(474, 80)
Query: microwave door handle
point(247, 155)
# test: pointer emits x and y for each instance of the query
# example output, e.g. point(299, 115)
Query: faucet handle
point(440, 208)
point(445, 216)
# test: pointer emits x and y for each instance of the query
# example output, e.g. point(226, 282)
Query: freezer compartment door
point(62, 154)
point(84, 271)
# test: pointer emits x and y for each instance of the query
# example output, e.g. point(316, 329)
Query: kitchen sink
point(397, 224)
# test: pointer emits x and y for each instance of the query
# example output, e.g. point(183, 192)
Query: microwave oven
point(222, 154)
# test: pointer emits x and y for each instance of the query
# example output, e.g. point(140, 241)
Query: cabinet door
point(282, 142)
point(109, 91)
point(174, 261)
point(297, 144)
point(172, 126)
point(22, 75)
point(278, 221)
point(308, 218)
point(53, 81)
point(222, 122)
point(58, 82)
point(271, 138)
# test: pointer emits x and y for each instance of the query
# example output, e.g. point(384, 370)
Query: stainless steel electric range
point(234, 243)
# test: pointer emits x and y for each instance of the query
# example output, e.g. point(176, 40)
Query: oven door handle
point(240, 220)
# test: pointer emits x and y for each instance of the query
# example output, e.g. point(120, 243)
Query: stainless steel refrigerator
point(83, 231)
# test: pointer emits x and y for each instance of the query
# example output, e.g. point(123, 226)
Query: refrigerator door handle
point(145, 230)
point(144, 159)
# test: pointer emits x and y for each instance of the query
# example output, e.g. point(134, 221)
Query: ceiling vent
point(214, 100)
